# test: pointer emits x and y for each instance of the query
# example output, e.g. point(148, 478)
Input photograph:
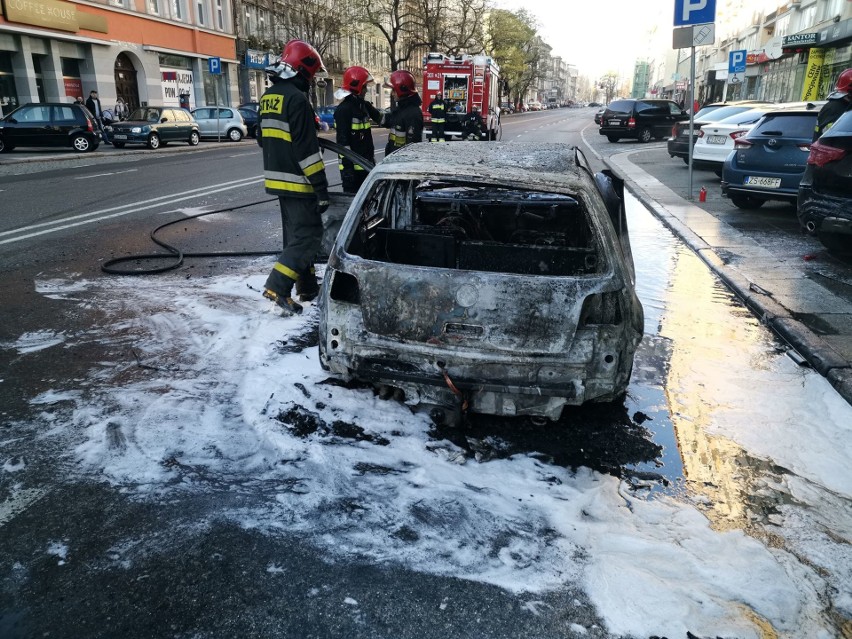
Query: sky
point(225, 380)
point(595, 37)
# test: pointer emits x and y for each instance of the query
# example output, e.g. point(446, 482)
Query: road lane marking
point(86, 177)
point(19, 502)
point(119, 211)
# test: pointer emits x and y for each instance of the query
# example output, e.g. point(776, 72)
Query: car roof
point(537, 165)
point(797, 107)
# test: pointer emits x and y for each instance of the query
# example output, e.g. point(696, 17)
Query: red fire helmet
point(403, 84)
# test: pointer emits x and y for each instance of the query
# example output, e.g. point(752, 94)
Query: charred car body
point(495, 278)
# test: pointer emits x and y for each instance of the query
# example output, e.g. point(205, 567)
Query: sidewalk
point(812, 313)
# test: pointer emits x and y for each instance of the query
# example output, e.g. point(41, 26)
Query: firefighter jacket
point(830, 112)
point(405, 122)
point(472, 124)
point(352, 123)
point(438, 111)
point(292, 162)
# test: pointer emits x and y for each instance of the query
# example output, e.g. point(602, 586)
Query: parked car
point(155, 126)
point(825, 192)
point(326, 114)
point(49, 124)
point(768, 162)
point(252, 120)
point(598, 114)
point(456, 232)
point(535, 106)
point(224, 122)
point(678, 143)
point(254, 106)
point(640, 119)
point(715, 140)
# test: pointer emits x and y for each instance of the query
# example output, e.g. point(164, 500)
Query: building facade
point(144, 51)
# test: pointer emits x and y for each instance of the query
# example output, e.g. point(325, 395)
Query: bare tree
point(397, 21)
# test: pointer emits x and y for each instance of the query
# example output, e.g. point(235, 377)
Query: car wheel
point(5, 148)
point(836, 243)
point(118, 145)
point(613, 138)
point(746, 201)
point(81, 144)
point(235, 135)
point(153, 141)
point(645, 134)
point(194, 138)
point(685, 161)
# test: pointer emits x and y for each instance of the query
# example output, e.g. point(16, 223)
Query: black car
point(640, 119)
point(154, 126)
point(678, 143)
point(825, 192)
point(49, 124)
point(251, 118)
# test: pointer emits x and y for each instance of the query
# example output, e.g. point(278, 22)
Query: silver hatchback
point(220, 122)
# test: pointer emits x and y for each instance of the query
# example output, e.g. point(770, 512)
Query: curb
point(811, 347)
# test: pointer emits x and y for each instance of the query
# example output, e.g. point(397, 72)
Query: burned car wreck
point(495, 278)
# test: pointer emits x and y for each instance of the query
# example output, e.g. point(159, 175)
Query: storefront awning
point(186, 54)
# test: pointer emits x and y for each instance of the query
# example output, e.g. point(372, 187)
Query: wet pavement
point(793, 285)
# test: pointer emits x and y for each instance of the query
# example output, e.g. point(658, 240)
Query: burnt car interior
point(458, 225)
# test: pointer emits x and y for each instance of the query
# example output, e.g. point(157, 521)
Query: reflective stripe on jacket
point(405, 123)
point(354, 130)
point(292, 161)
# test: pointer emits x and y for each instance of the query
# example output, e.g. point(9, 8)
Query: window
point(831, 9)
point(154, 7)
point(64, 114)
point(782, 25)
point(807, 18)
point(201, 114)
point(178, 10)
point(200, 12)
point(220, 15)
point(34, 113)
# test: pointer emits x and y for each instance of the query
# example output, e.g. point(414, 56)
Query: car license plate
point(717, 139)
point(765, 182)
point(118, 136)
point(615, 122)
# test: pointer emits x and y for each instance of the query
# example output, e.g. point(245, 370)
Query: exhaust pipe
point(811, 226)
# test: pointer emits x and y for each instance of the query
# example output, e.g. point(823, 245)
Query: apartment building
point(146, 51)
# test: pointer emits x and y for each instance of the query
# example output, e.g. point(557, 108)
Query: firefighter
point(473, 124)
point(405, 120)
point(352, 122)
point(294, 171)
point(839, 102)
point(438, 111)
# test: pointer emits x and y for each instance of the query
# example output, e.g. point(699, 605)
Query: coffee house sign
point(52, 14)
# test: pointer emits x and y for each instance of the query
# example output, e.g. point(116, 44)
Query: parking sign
point(688, 12)
point(737, 61)
point(214, 65)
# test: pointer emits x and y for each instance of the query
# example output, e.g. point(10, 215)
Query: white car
point(715, 140)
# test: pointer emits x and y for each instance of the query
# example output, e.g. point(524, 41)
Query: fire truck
point(465, 80)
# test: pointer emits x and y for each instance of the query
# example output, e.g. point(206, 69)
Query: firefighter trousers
point(302, 230)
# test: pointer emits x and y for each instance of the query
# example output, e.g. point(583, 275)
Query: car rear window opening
point(474, 227)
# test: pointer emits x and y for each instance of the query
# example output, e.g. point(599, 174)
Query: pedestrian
point(93, 104)
point(472, 125)
point(352, 123)
point(121, 110)
point(839, 102)
point(438, 113)
point(405, 120)
point(79, 100)
point(293, 170)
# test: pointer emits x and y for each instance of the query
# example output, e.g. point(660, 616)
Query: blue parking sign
point(688, 12)
point(214, 65)
point(737, 61)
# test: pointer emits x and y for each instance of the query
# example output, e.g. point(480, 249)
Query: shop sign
point(176, 82)
point(800, 40)
point(257, 59)
point(810, 88)
point(51, 14)
point(73, 87)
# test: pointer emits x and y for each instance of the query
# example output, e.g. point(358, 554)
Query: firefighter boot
point(307, 287)
point(283, 304)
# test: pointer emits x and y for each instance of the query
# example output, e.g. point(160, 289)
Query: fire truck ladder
point(478, 88)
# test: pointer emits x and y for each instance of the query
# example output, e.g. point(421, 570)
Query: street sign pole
point(691, 115)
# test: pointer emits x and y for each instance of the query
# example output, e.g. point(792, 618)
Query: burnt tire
point(153, 141)
point(746, 202)
point(645, 134)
